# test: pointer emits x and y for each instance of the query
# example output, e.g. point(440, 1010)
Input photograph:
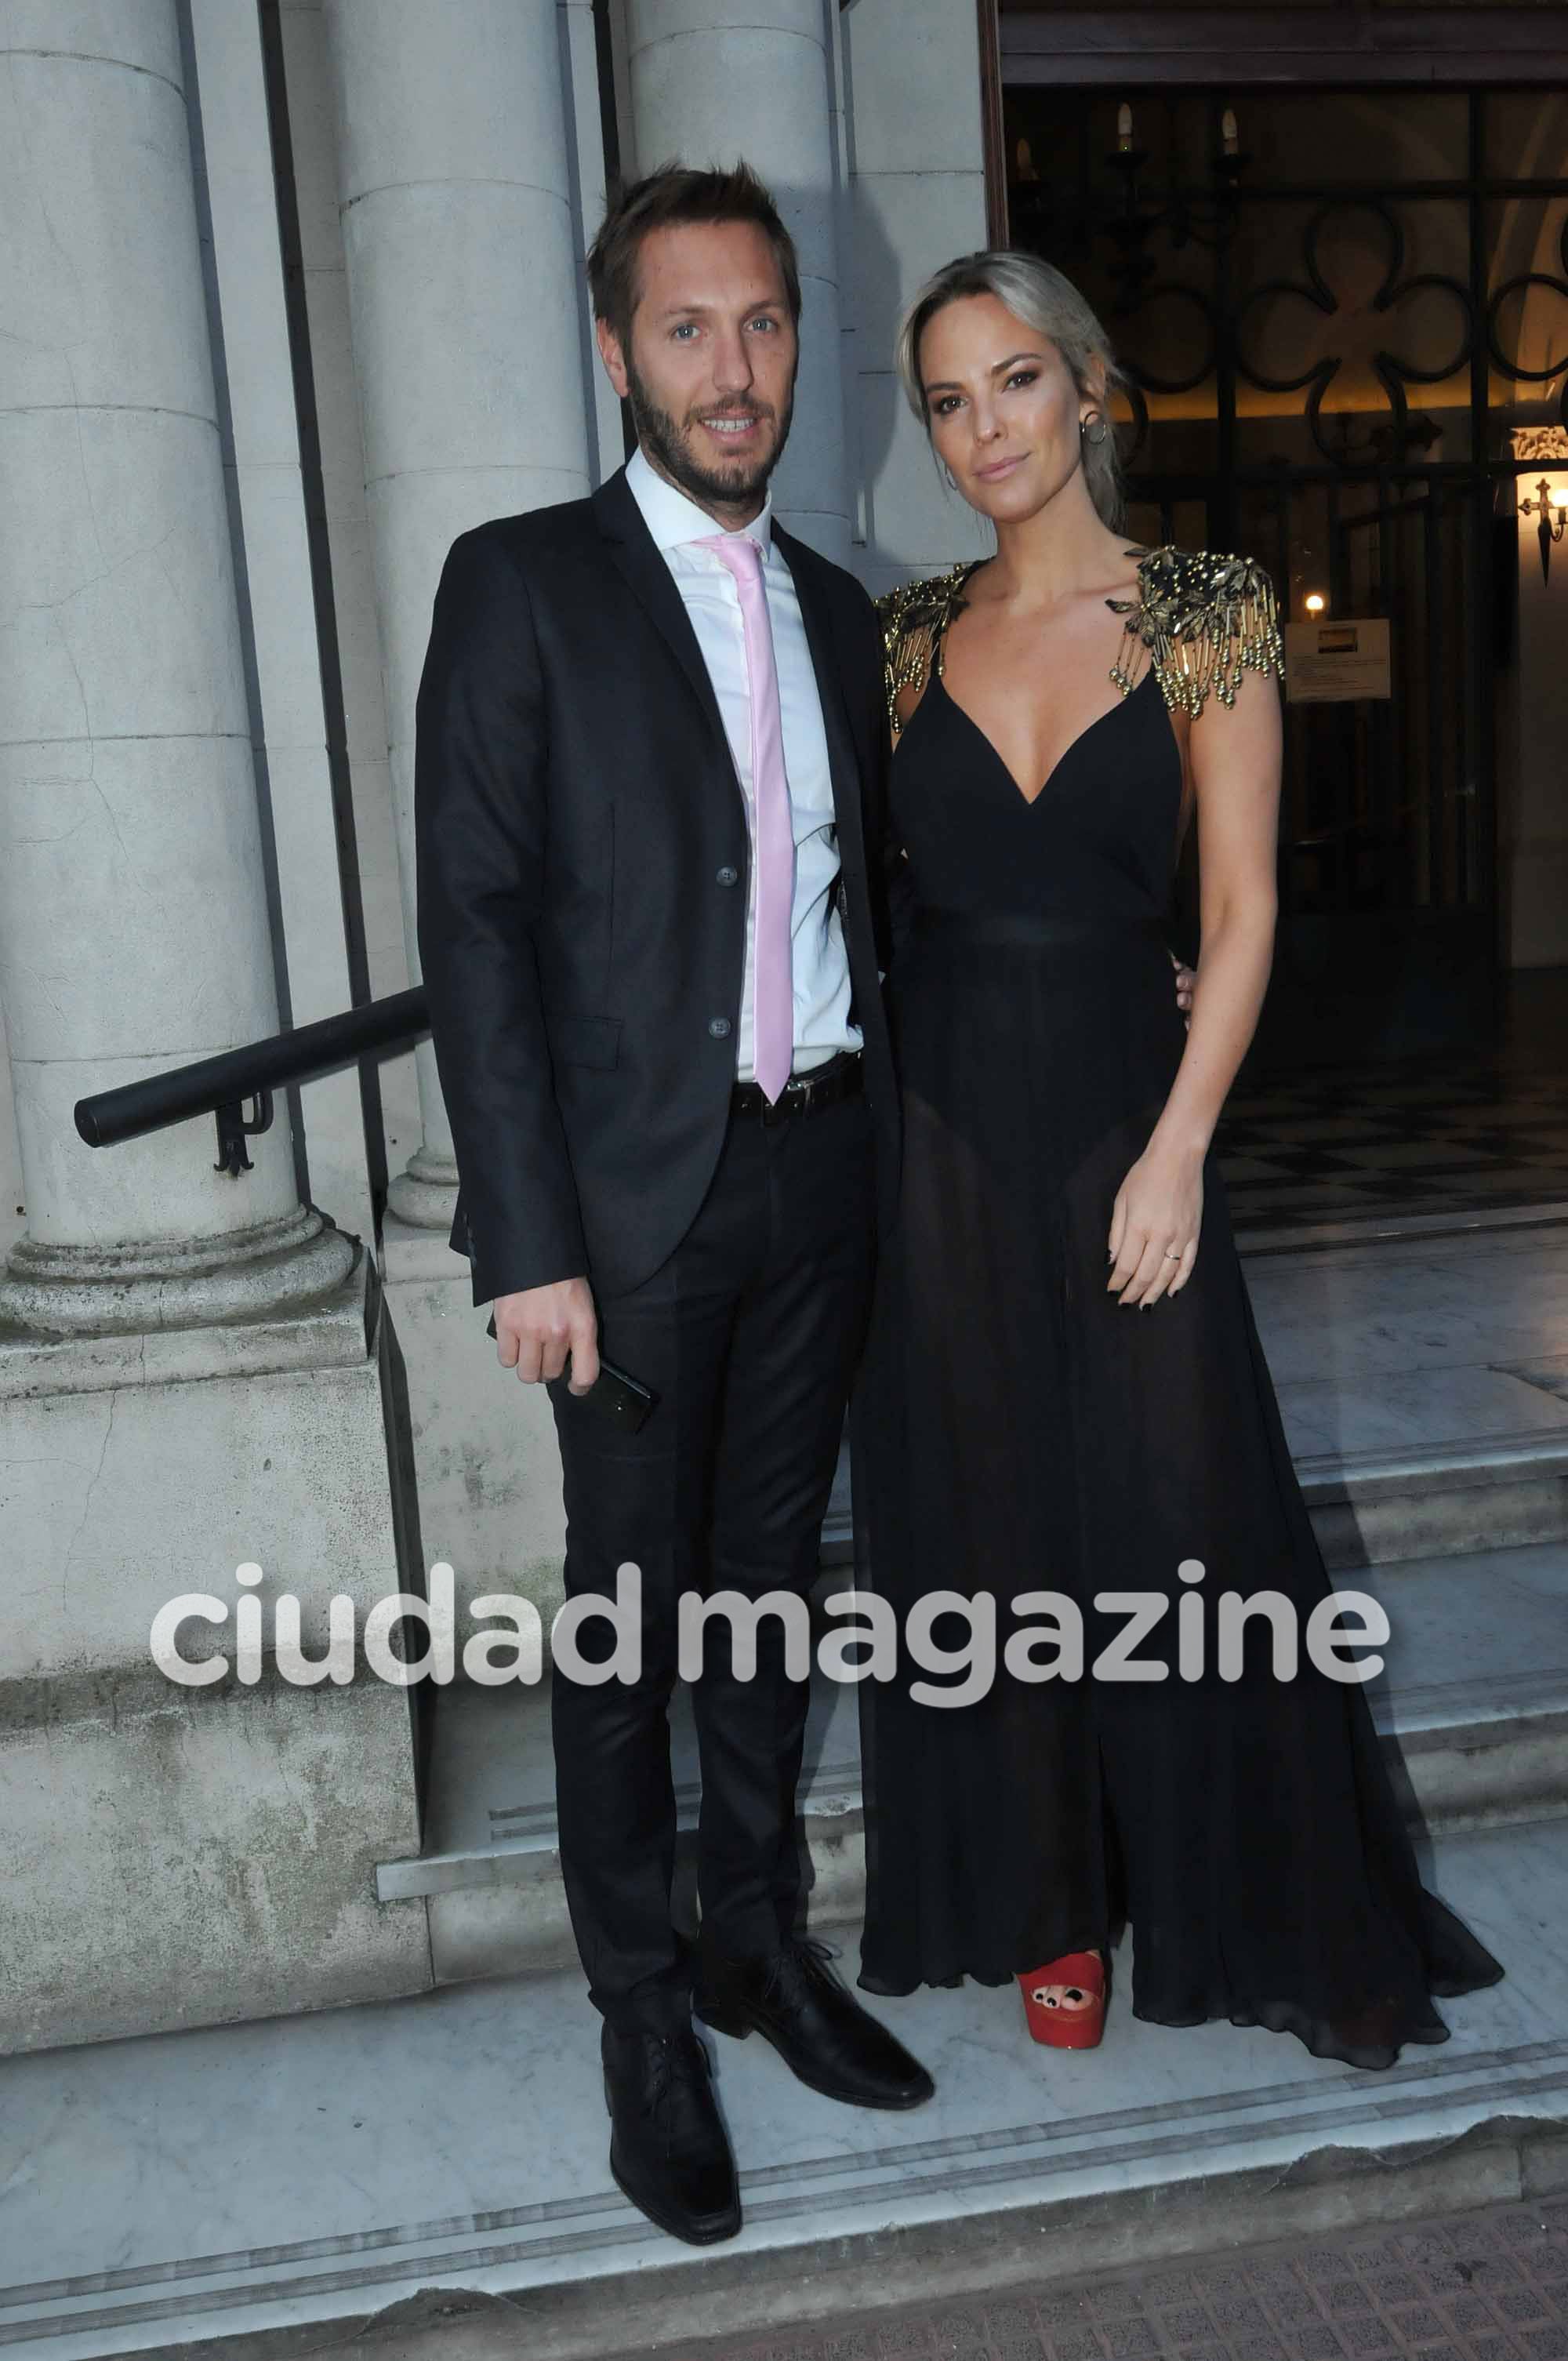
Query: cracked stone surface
point(1481, 2286)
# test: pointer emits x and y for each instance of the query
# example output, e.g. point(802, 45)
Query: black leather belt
point(837, 1078)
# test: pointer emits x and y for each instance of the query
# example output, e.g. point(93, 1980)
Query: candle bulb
point(1124, 128)
point(1228, 130)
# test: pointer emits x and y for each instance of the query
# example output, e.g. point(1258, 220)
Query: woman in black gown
point(1064, 1390)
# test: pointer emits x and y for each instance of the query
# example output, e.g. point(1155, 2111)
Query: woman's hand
point(1158, 1207)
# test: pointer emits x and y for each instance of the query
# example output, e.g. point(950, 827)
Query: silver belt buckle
point(794, 1099)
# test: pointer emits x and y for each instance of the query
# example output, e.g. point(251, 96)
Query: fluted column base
point(424, 1193)
point(252, 1273)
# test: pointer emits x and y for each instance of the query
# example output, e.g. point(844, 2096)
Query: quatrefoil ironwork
point(1506, 363)
point(1393, 372)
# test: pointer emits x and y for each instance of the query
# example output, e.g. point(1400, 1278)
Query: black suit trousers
point(748, 1334)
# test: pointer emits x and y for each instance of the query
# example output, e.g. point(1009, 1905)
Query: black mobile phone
point(615, 1393)
point(624, 1399)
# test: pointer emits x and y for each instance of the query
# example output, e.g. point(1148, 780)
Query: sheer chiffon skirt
point(1017, 1431)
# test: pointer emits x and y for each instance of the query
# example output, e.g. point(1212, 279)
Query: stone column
point(712, 79)
point(454, 183)
point(606, 439)
point(195, 1372)
point(133, 910)
point(918, 198)
point(234, 173)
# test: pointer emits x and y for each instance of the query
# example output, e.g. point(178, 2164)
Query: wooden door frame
point(1350, 43)
point(992, 136)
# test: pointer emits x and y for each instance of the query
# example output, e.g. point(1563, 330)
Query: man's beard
point(665, 442)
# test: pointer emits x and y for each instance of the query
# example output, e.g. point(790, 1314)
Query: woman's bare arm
point(1235, 759)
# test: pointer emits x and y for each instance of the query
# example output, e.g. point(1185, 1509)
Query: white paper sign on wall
point(1330, 663)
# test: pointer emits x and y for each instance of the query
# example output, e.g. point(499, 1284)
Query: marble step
point(1422, 1377)
point(433, 2171)
point(1383, 1507)
point(1474, 1697)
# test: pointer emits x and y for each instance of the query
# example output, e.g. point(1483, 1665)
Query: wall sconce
point(1315, 602)
point(1543, 446)
point(1546, 532)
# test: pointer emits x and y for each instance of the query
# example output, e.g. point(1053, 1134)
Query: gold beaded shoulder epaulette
point(915, 619)
point(1204, 618)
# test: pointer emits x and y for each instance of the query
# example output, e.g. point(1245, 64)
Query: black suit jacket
point(577, 816)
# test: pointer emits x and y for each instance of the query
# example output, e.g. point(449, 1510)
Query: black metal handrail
point(220, 1086)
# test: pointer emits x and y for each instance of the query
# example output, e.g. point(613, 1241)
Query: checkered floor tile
point(1325, 1144)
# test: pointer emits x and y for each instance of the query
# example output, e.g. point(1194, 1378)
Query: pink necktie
point(773, 851)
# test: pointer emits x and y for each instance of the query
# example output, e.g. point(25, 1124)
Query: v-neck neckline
point(939, 664)
point(1029, 801)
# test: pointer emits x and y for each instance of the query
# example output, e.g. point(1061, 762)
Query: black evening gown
point(1016, 1430)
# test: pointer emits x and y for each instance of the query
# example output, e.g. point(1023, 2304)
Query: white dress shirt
point(820, 965)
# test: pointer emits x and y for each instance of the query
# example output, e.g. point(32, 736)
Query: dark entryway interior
point(1449, 1135)
point(1343, 315)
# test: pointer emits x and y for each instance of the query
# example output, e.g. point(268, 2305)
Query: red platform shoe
point(1064, 2001)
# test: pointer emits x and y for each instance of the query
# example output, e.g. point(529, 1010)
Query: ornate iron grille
point(1356, 437)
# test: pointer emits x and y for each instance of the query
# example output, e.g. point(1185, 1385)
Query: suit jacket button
point(718, 1027)
point(726, 876)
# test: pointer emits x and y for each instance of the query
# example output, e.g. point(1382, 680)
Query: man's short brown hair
point(672, 196)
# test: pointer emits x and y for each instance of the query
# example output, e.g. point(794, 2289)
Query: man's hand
point(538, 1327)
point(1186, 977)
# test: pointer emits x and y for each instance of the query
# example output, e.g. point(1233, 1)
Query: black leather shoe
point(669, 2152)
point(820, 2031)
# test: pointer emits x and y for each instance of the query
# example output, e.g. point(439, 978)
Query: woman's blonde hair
point(1037, 293)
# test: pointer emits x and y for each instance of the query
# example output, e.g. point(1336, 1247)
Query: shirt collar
point(672, 518)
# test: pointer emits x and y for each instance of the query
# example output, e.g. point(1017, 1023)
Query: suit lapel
point(636, 557)
point(843, 762)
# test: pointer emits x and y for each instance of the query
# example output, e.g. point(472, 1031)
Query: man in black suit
point(649, 788)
